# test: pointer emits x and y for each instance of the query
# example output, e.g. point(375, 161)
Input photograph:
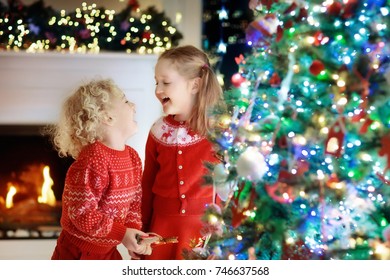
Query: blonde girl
point(174, 193)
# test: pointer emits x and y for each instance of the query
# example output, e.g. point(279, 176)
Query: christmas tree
point(306, 139)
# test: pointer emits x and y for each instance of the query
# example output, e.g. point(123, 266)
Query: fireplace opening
point(32, 177)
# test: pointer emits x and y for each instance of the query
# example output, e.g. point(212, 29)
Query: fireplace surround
point(32, 89)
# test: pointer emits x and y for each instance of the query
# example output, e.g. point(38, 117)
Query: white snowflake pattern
point(123, 213)
point(83, 209)
point(72, 212)
point(112, 212)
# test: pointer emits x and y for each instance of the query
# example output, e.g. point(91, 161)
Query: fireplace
point(31, 183)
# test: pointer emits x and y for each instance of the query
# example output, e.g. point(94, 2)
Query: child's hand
point(153, 239)
point(134, 256)
point(131, 243)
point(147, 251)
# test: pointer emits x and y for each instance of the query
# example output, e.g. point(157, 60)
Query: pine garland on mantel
point(38, 28)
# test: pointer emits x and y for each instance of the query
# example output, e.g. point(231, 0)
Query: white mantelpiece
point(34, 86)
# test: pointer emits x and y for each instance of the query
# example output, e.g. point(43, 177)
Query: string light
point(89, 29)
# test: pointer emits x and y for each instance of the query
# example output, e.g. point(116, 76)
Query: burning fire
point(47, 194)
point(8, 199)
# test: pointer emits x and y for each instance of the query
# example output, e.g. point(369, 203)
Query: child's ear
point(196, 85)
point(107, 118)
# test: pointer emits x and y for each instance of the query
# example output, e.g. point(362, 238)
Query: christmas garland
point(38, 27)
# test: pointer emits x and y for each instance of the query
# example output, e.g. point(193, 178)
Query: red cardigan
point(174, 167)
point(102, 197)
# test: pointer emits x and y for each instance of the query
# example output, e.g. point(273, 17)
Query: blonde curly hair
point(80, 120)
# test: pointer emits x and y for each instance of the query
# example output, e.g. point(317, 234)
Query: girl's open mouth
point(165, 100)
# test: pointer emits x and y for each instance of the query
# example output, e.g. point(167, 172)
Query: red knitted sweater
point(102, 197)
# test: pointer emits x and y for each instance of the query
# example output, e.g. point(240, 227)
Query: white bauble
point(251, 164)
point(220, 173)
point(222, 188)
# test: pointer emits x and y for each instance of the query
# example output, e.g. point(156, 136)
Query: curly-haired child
point(101, 202)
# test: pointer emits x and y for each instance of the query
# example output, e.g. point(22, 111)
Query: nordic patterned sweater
point(102, 197)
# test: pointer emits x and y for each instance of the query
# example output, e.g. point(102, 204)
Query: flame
point(8, 199)
point(47, 194)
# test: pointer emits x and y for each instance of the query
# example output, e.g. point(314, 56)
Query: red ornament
point(302, 14)
point(288, 24)
point(363, 129)
point(279, 33)
point(291, 8)
point(318, 38)
point(146, 35)
point(335, 8)
point(283, 190)
point(296, 251)
point(268, 3)
point(264, 25)
point(350, 9)
point(316, 67)
point(385, 149)
point(237, 80)
point(334, 142)
point(302, 167)
point(134, 4)
point(282, 142)
point(333, 179)
point(240, 59)
point(284, 163)
point(275, 80)
point(359, 116)
point(278, 190)
point(237, 212)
